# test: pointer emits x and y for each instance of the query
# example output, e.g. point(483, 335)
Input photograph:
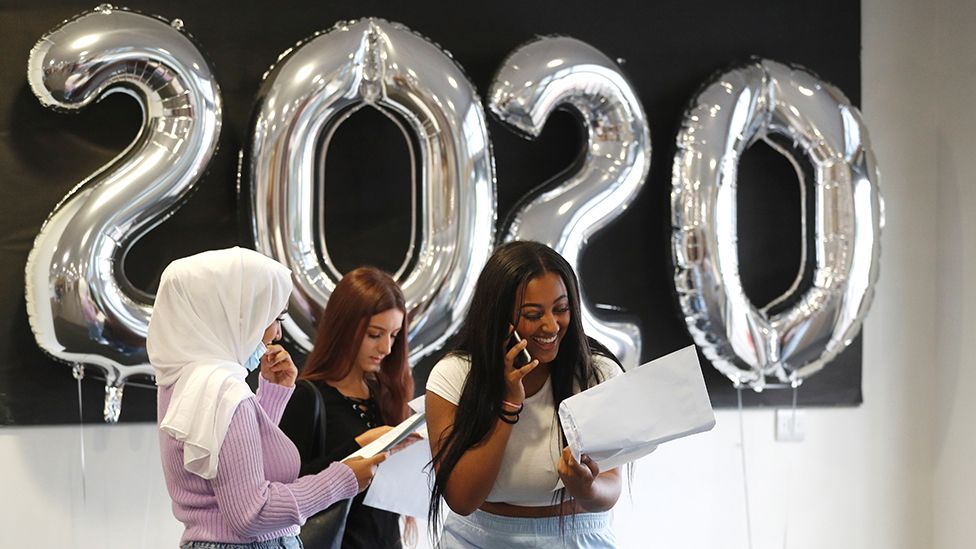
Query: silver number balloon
point(304, 98)
point(752, 102)
point(559, 72)
point(82, 309)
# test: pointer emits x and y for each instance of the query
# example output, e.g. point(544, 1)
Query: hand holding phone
point(518, 364)
point(523, 357)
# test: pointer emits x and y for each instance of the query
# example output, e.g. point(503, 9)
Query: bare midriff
point(508, 510)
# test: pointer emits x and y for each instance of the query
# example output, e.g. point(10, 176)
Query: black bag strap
point(325, 529)
point(318, 416)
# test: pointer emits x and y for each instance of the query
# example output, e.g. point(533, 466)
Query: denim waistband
point(546, 526)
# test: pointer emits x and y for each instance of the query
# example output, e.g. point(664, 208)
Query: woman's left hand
point(577, 477)
point(277, 366)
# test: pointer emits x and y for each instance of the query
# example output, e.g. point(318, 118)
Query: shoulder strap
point(318, 419)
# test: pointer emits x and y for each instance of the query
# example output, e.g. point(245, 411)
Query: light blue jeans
point(284, 542)
point(486, 531)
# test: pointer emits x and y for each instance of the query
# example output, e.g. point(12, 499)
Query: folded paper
point(627, 417)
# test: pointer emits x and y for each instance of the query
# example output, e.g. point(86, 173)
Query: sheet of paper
point(391, 437)
point(627, 417)
point(402, 484)
point(418, 404)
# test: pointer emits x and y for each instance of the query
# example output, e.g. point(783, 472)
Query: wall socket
point(790, 425)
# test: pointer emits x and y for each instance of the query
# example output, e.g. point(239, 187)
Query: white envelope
point(627, 417)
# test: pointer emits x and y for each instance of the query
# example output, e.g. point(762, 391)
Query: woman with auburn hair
point(359, 366)
point(500, 459)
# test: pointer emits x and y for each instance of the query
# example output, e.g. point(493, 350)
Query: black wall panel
point(667, 49)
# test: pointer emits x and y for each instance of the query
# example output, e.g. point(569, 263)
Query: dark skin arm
point(593, 490)
point(474, 475)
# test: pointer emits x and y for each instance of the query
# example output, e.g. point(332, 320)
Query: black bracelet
point(502, 410)
point(508, 420)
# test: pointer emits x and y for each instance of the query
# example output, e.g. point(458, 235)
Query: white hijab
point(210, 313)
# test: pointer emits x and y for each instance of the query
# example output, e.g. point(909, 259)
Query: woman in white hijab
point(232, 474)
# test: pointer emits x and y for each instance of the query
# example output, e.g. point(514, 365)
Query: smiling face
point(381, 331)
point(544, 316)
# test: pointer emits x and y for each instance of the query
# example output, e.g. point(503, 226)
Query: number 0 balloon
point(761, 100)
point(304, 98)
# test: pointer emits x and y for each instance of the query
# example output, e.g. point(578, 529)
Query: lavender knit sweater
point(256, 495)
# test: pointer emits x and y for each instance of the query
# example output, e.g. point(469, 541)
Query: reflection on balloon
point(314, 88)
point(82, 309)
point(768, 101)
point(564, 73)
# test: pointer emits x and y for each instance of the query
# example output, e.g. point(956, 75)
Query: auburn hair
point(360, 294)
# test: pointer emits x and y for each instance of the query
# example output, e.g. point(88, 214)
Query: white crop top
point(528, 473)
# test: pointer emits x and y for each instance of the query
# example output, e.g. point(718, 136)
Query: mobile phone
point(523, 357)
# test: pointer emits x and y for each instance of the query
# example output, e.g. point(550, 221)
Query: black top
point(346, 418)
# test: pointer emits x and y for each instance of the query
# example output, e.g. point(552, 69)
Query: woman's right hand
point(514, 391)
point(365, 468)
point(369, 436)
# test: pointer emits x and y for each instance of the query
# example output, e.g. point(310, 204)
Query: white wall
point(893, 473)
point(954, 490)
point(122, 503)
point(863, 478)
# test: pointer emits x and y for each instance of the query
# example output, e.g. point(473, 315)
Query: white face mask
point(255, 359)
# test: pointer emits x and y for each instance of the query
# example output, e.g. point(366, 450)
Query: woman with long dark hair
point(359, 366)
point(499, 455)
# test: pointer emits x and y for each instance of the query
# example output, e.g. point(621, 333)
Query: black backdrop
point(667, 49)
